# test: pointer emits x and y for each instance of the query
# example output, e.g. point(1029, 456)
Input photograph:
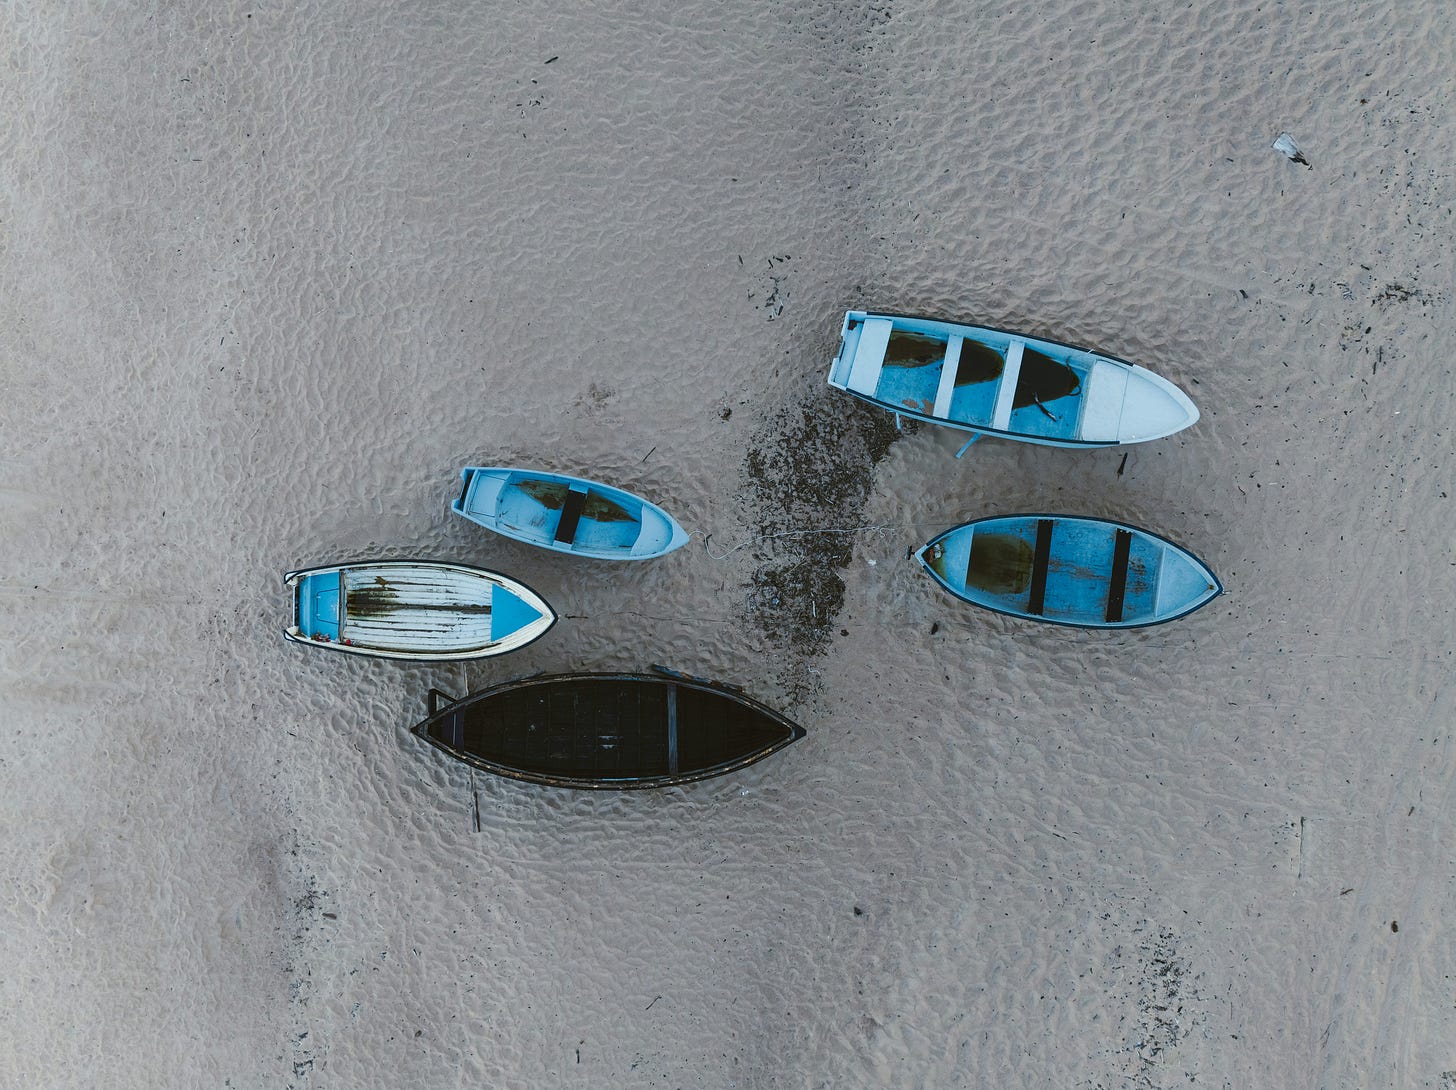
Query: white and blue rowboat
point(567, 514)
point(1068, 570)
point(414, 609)
point(1010, 385)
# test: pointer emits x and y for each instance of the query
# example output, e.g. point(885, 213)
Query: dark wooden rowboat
point(607, 731)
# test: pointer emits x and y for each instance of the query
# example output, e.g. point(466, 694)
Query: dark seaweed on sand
point(811, 468)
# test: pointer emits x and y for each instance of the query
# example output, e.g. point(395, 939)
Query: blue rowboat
point(567, 514)
point(992, 382)
point(414, 609)
point(1087, 572)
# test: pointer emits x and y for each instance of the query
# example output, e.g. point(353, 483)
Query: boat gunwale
point(997, 329)
point(658, 676)
point(1218, 587)
point(677, 537)
point(293, 635)
point(1028, 338)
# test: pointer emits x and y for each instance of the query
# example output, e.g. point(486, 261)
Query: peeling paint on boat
point(419, 610)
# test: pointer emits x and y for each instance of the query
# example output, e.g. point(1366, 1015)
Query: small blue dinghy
point(414, 609)
point(1010, 385)
point(567, 514)
point(1069, 570)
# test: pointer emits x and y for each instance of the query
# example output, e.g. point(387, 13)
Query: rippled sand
point(271, 276)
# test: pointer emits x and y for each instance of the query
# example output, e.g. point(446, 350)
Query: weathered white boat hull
point(417, 610)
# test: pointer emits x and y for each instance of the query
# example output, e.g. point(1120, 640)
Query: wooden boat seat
point(1006, 392)
point(1102, 402)
point(482, 494)
point(1040, 563)
point(946, 390)
point(1117, 585)
point(673, 760)
point(869, 355)
point(570, 515)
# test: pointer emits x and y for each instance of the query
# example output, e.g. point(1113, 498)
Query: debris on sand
point(1285, 144)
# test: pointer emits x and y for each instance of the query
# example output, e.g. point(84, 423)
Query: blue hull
point(1063, 569)
point(566, 514)
point(994, 382)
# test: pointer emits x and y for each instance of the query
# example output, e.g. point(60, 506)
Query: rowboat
point(568, 514)
point(414, 609)
point(992, 382)
point(607, 731)
point(1069, 570)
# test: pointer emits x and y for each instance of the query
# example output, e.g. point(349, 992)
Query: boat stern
point(480, 490)
point(843, 362)
point(316, 606)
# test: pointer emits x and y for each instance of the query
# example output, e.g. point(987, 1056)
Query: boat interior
point(996, 381)
point(317, 599)
point(1078, 571)
point(568, 516)
point(608, 730)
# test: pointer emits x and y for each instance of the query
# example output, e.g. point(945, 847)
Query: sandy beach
point(270, 275)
